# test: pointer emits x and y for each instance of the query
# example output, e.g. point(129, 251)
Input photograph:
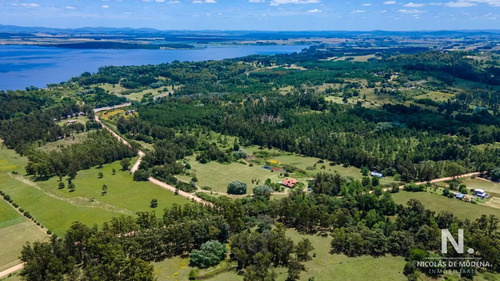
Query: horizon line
point(251, 30)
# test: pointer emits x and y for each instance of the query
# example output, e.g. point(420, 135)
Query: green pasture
point(13, 238)
point(439, 203)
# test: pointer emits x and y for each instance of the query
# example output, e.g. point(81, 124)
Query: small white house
point(480, 193)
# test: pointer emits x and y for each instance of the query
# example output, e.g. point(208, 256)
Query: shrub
point(237, 187)
point(154, 203)
point(263, 190)
point(141, 175)
point(185, 186)
point(211, 253)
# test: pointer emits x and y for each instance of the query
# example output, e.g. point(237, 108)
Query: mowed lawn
point(15, 231)
point(57, 208)
point(439, 203)
point(124, 195)
point(8, 216)
point(13, 238)
point(54, 213)
point(218, 176)
point(489, 186)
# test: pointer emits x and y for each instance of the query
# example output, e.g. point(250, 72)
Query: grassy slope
point(440, 203)
point(54, 213)
point(57, 209)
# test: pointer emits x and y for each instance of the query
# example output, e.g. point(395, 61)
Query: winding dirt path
point(154, 181)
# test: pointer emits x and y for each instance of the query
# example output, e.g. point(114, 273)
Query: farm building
point(71, 122)
point(289, 182)
point(376, 174)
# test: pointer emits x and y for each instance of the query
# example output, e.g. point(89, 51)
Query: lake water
point(22, 66)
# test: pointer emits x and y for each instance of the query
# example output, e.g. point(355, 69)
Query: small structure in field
point(480, 193)
point(376, 174)
point(289, 182)
point(71, 122)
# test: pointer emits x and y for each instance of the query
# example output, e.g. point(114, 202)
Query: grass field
point(124, 195)
point(340, 267)
point(438, 203)
point(57, 145)
point(13, 239)
point(80, 119)
point(56, 209)
point(137, 96)
point(218, 176)
point(488, 186)
point(8, 216)
point(15, 231)
point(324, 267)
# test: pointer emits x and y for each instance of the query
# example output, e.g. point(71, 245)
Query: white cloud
point(315, 11)
point(206, 1)
point(390, 3)
point(469, 3)
point(70, 7)
point(283, 2)
point(412, 11)
point(105, 6)
point(366, 4)
point(174, 2)
point(414, 5)
point(27, 5)
point(256, 1)
point(358, 11)
point(459, 4)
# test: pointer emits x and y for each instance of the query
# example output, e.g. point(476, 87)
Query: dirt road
point(440, 180)
point(154, 181)
point(180, 192)
point(11, 270)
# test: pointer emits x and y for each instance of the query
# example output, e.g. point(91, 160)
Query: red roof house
point(289, 182)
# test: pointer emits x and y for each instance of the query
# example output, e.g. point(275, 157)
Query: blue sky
point(255, 14)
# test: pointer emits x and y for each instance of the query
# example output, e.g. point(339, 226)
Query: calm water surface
point(22, 66)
